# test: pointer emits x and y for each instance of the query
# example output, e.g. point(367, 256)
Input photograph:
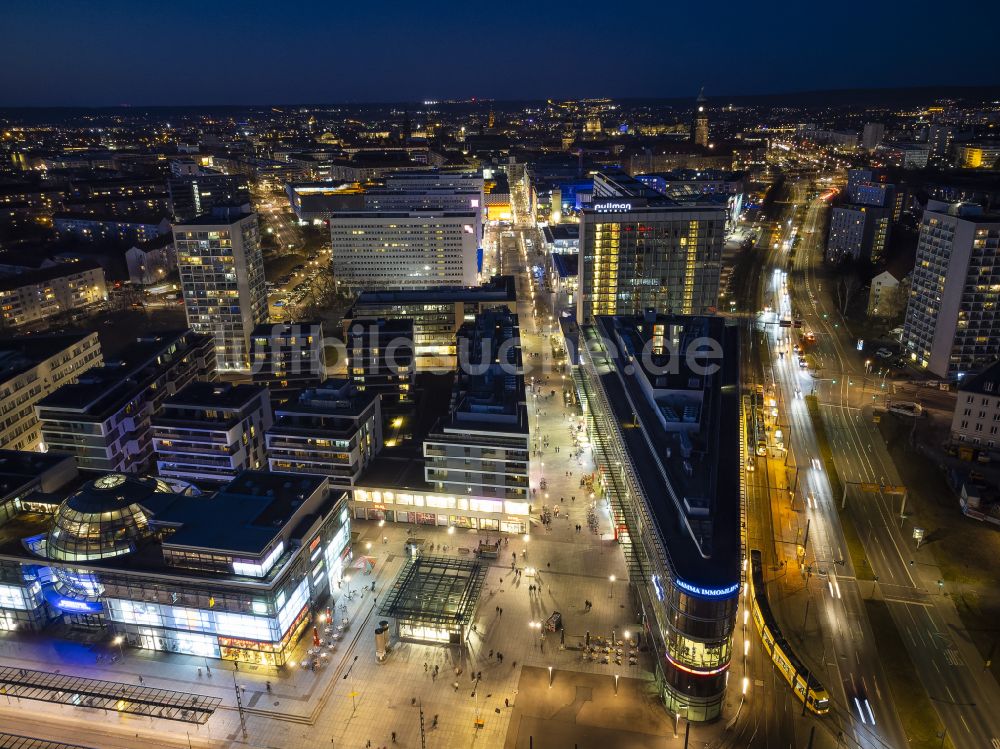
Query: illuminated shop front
point(235, 575)
point(428, 508)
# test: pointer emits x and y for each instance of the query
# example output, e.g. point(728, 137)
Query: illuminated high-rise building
point(640, 249)
point(952, 324)
point(222, 275)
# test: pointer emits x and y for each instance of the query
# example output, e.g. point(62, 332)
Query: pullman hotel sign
point(613, 207)
point(616, 205)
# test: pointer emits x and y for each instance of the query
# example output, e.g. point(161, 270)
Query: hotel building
point(640, 249)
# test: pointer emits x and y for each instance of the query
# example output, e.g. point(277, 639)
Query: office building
point(663, 415)
point(288, 354)
point(222, 277)
point(405, 249)
point(212, 431)
point(31, 367)
point(437, 314)
point(235, 575)
point(480, 449)
point(380, 358)
point(104, 417)
point(952, 321)
point(977, 155)
point(641, 249)
point(331, 430)
point(976, 421)
point(872, 135)
point(32, 297)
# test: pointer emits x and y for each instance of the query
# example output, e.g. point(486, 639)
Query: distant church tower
point(699, 128)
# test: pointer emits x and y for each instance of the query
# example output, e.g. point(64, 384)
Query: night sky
point(80, 53)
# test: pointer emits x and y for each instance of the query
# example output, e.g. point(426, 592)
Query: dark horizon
point(114, 53)
point(798, 97)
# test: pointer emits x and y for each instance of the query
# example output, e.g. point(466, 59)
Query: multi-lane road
point(964, 697)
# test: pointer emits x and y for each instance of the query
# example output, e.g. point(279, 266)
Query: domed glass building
point(105, 518)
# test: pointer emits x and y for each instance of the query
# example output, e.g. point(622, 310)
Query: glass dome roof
point(105, 518)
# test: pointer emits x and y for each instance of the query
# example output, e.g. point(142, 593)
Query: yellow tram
point(805, 686)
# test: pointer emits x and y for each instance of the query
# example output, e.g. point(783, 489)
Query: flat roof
point(567, 264)
point(709, 478)
point(17, 355)
point(60, 270)
point(201, 394)
point(245, 516)
point(498, 289)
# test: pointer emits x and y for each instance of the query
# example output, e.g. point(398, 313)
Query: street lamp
point(347, 581)
point(550, 677)
point(118, 641)
point(611, 586)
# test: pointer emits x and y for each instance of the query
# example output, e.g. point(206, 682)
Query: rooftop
point(214, 395)
point(685, 450)
point(43, 275)
point(498, 289)
point(246, 515)
point(17, 355)
point(986, 382)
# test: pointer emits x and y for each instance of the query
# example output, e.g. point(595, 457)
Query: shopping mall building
point(234, 574)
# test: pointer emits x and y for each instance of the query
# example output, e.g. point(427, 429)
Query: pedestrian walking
point(501, 611)
point(425, 666)
point(491, 655)
point(506, 702)
point(393, 737)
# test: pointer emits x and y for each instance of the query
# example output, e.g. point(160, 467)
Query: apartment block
point(331, 430)
point(952, 323)
point(212, 431)
point(104, 417)
point(31, 367)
